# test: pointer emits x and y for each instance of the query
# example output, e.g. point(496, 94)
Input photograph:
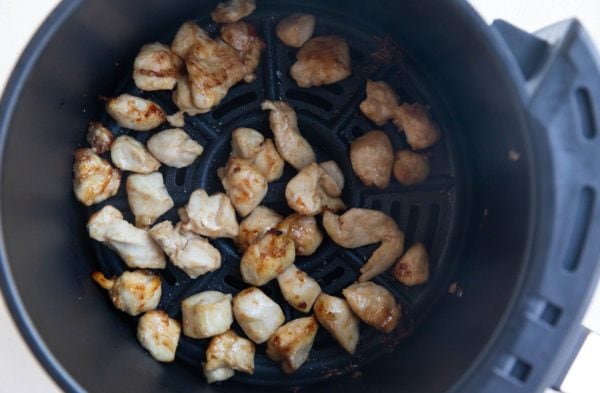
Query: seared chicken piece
point(156, 68)
point(359, 227)
point(372, 157)
point(206, 314)
point(306, 195)
point(413, 267)
point(421, 131)
point(242, 36)
point(148, 198)
point(94, 179)
point(322, 61)
point(188, 251)
point(303, 230)
point(134, 245)
point(182, 97)
point(380, 104)
point(251, 145)
point(295, 29)
point(257, 314)
point(174, 148)
point(289, 142)
point(267, 258)
point(245, 184)
point(132, 292)
point(410, 168)
point(130, 155)
point(99, 137)
point(269, 161)
point(228, 350)
point(298, 288)
point(188, 35)
point(233, 10)
point(255, 226)
point(159, 335)
point(210, 216)
point(135, 113)
point(292, 342)
point(373, 304)
point(332, 179)
point(217, 375)
point(335, 315)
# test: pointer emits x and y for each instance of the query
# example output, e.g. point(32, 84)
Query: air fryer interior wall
point(45, 235)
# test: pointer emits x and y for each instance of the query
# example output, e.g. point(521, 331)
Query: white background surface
point(20, 372)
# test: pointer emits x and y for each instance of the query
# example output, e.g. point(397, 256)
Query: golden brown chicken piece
point(148, 197)
point(242, 36)
point(233, 10)
point(228, 350)
point(304, 231)
point(421, 131)
point(244, 183)
point(206, 314)
point(267, 258)
point(182, 97)
point(94, 179)
point(188, 35)
point(298, 288)
point(306, 195)
point(322, 61)
point(251, 145)
point(373, 304)
point(410, 168)
point(337, 318)
point(135, 113)
point(174, 148)
point(292, 342)
point(413, 267)
point(99, 137)
point(257, 314)
point(217, 375)
point(254, 226)
point(132, 292)
point(211, 216)
point(332, 178)
point(159, 335)
point(372, 158)
point(156, 68)
point(295, 29)
point(381, 102)
point(129, 154)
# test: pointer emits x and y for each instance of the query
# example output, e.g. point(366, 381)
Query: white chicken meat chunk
point(148, 197)
point(217, 375)
point(410, 168)
point(336, 316)
point(129, 154)
point(306, 195)
point(413, 267)
point(94, 179)
point(257, 314)
point(211, 216)
point(182, 97)
point(251, 145)
point(372, 158)
point(292, 343)
point(304, 231)
point(233, 10)
point(421, 131)
point(188, 35)
point(244, 183)
point(267, 258)
point(322, 61)
point(174, 148)
point(374, 304)
point(228, 350)
point(206, 314)
point(188, 251)
point(295, 29)
point(269, 162)
point(99, 137)
point(380, 104)
point(298, 288)
point(242, 36)
point(134, 245)
point(332, 178)
point(135, 113)
point(254, 226)
point(132, 292)
point(156, 67)
point(290, 143)
point(359, 227)
point(159, 335)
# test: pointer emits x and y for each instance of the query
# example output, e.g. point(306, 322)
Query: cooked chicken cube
point(217, 375)
point(332, 179)
point(257, 314)
point(135, 113)
point(359, 227)
point(233, 10)
point(254, 226)
point(130, 155)
point(228, 350)
point(298, 288)
point(210, 216)
point(421, 131)
point(295, 29)
point(174, 148)
point(156, 68)
point(251, 145)
point(188, 35)
point(99, 137)
point(410, 168)
point(413, 267)
point(182, 97)
point(159, 335)
point(381, 102)
point(94, 179)
point(306, 195)
point(132, 292)
point(303, 230)
point(269, 161)
point(206, 314)
point(148, 197)
point(372, 157)
point(373, 304)
point(134, 245)
point(267, 258)
point(188, 251)
point(337, 317)
point(289, 142)
point(322, 61)
point(292, 342)
point(242, 36)
point(245, 184)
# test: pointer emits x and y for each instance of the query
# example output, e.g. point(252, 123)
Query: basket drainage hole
point(544, 311)
point(331, 276)
point(515, 369)
point(235, 282)
point(180, 176)
point(233, 104)
point(310, 99)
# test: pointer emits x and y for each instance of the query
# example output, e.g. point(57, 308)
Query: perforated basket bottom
point(329, 118)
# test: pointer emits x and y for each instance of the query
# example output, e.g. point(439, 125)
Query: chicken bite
point(242, 36)
point(228, 350)
point(374, 304)
point(421, 131)
point(257, 314)
point(267, 258)
point(148, 197)
point(182, 98)
point(233, 10)
point(295, 29)
point(306, 195)
point(292, 343)
point(372, 158)
point(174, 148)
point(410, 168)
point(254, 226)
point(206, 314)
point(211, 216)
point(413, 267)
point(217, 375)
point(303, 230)
point(244, 183)
point(156, 67)
point(380, 104)
point(359, 227)
point(322, 61)
point(332, 179)
point(130, 155)
point(251, 145)
point(188, 35)
point(134, 245)
point(135, 113)
point(298, 288)
point(132, 292)
point(159, 335)
point(99, 137)
point(335, 315)
point(94, 179)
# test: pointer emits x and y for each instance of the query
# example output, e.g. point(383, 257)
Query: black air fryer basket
point(509, 213)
